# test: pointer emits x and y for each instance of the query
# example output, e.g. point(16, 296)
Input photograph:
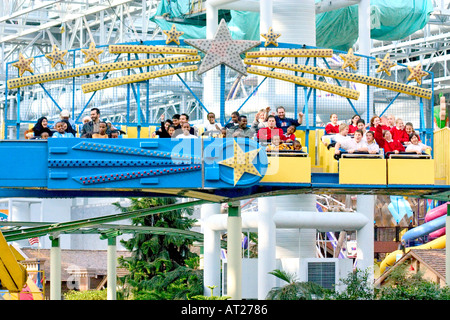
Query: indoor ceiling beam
point(68, 17)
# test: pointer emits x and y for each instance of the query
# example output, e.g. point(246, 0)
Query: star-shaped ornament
point(350, 59)
point(56, 56)
point(92, 53)
point(271, 37)
point(23, 64)
point(386, 64)
point(241, 162)
point(222, 49)
point(173, 35)
point(416, 73)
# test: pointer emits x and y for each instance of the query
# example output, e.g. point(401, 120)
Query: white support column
point(365, 236)
point(265, 16)
point(211, 249)
point(111, 293)
point(234, 255)
point(55, 270)
point(266, 246)
point(364, 27)
point(211, 80)
point(267, 235)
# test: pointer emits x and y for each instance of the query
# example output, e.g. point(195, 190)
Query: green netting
point(390, 20)
point(242, 25)
point(338, 29)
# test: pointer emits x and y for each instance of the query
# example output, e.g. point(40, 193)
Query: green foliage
point(212, 297)
point(294, 290)
point(398, 286)
point(85, 295)
point(403, 286)
point(357, 287)
point(161, 266)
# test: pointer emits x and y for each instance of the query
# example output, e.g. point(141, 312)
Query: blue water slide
point(424, 229)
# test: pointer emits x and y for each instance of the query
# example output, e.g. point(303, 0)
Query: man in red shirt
point(265, 134)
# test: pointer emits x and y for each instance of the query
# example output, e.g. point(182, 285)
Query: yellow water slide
point(13, 275)
point(391, 258)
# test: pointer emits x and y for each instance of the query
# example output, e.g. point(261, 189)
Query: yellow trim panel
point(288, 169)
point(362, 171)
point(410, 171)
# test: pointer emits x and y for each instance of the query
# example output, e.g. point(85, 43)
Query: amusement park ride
point(214, 169)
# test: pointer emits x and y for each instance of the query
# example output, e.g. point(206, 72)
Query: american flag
point(33, 240)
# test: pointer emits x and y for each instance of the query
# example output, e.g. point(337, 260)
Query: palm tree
point(161, 266)
point(294, 290)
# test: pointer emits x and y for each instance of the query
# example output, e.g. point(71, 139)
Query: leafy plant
point(161, 266)
point(403, 286)
point(357, 287)
point(294, 290)
point(212, 297)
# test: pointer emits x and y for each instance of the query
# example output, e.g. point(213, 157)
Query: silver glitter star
point(222, 49)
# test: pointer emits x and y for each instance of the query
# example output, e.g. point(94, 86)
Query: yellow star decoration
point(386, 64)
point(349, 59)
point(416, 73)
point(241, 162)
point(23, 64)
point(92, 53)
point(56, 56)
point(271, 38)
point(173, 35)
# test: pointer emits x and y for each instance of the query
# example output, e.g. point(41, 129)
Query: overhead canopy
point(389, 21)
point(338, 29)
point(242, 25)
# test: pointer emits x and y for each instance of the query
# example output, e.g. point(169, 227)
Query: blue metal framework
point(134, 93)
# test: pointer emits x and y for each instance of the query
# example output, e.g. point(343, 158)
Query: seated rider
point(355, 145)
point(266, 134)
point(372, 146)
point(276, 144)
point(385, 141)
point(415, 145)
point(297, 146)
point(332, 127)
point(398, 132)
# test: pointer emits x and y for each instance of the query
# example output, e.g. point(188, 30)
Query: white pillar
point(267, 235)
point(111, 269)
point(307, 237)
point(234, 255)
point(212, 20)
point(211, 250)
point(211, 79)
point(364, 27)
point(266, 245)
point(55, 270)
point(298, 13)
point(265, 16)
point(365, 236)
